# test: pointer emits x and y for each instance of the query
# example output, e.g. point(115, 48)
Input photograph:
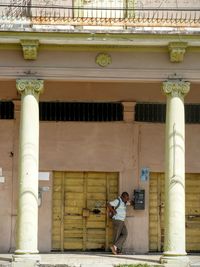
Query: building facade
point(93, 99)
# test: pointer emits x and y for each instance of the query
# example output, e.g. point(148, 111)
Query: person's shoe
point(119, 252)
point(113, 249)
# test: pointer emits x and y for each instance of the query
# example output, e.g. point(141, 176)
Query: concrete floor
point(95, 259)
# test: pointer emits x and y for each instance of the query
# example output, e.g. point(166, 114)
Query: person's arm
point(111, 209)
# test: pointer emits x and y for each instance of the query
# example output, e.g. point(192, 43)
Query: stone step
point(95, 265)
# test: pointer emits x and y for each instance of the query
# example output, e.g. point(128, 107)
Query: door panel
point(192, 212)
point(80, 218)
point(156, 212)
point(74, 202)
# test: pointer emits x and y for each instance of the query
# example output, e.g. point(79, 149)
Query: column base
point(175, 260)
point(25, 263)
point(25, 259)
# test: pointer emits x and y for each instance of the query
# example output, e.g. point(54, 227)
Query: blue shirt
point(121, 210)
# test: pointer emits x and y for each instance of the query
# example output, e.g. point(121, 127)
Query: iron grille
point(79, 111)
point(192, 113)
point(6, 110)
point(86, 13)
point(148, 112)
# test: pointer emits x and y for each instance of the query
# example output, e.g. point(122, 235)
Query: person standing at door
point(118, 208)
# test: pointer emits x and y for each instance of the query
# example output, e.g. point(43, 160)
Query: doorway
point(79, 216)
point(156, 212)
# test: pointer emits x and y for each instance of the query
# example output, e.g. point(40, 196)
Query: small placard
point(44, 176)
point(2, 179)
point(144, 176)
point(1, 172)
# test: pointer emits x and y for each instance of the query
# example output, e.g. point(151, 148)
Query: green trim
point(98, 48)
point(101, 42)
point(90, 48)
point(177, 37)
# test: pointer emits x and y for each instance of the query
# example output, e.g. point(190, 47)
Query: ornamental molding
point(30, 49)
point(176, 88)
point(30, 86)
point(177, 51)
point(92, 74)
point(103, 60)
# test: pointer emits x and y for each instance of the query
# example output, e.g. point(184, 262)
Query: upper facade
point(122, 16)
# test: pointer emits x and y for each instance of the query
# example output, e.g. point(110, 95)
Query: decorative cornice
point(103, 59)
point(84, 41)
point(93, 74)
point(176, 88)
point(177, 51)
point(30, 49)
point(30, 86)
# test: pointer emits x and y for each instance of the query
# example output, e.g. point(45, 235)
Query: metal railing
point(99, 16)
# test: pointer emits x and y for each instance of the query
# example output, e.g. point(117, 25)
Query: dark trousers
point(119, 233)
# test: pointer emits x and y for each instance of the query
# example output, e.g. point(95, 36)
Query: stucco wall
point(122, 147)
point(67, 146)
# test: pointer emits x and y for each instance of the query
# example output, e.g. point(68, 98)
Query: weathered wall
point(119, 147)
point(122, 147)
point(71, 146)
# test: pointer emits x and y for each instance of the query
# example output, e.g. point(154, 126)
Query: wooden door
point(80, 219)
point(156, 212)
point(192, 212)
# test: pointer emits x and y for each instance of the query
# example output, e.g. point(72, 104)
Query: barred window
point(154, 112)
point(6, 110)
point(80, 111)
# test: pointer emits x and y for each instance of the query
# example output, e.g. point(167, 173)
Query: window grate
point(6, 110)
point(151, 112)
point(80, 111)
point(192, 113)
point(148, 112)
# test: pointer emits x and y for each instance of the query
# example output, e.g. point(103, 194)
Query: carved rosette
point(176, 88)
point(103, 60)
point(177, 51)
point(30, 87)
point(30, 49)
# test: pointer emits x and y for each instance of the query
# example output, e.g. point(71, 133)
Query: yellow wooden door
point(192, 212)
point(80, 219)
point(156, 212)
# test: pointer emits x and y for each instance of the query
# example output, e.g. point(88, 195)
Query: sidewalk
point(95, 260)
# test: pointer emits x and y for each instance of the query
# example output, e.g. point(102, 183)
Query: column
point(174, 245)
point(27, 215)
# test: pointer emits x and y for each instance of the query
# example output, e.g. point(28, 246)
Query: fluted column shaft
point(174, 245)
point(27, 222)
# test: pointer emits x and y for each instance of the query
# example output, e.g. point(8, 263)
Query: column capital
point(176, 88)
point(29, 86)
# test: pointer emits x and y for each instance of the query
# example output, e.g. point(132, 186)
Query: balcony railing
point(90, 15)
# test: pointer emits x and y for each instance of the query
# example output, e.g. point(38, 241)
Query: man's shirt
point(121, 210)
